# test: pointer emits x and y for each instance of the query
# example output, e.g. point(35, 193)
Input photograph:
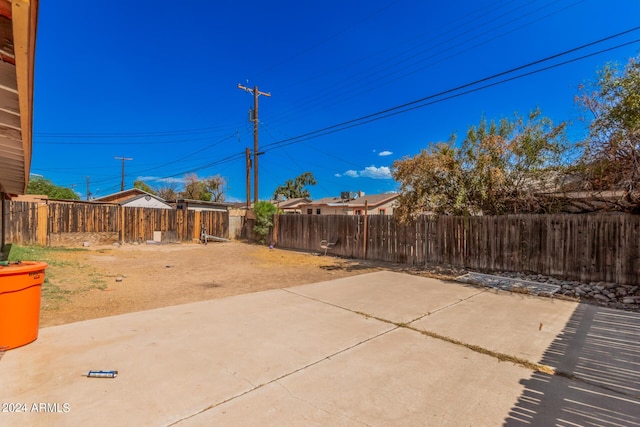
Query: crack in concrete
point(319, 408)
point(235, 375)
point(295, 371)
point(536, 367)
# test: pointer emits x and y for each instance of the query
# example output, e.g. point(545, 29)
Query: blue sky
point(156, 81)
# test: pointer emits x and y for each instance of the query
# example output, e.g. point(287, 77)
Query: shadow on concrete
point(597, 357)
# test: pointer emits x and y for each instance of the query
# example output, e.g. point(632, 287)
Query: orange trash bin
point(20, 290)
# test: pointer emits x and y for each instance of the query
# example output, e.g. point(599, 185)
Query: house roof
point(18, 22)
point(140, 196)
point(372, 200)
point(293, 203)
point(123, 195)
point(194, 202)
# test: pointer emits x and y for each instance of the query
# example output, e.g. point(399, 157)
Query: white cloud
point(385, 153)
point(382, 172)
point(169, 180)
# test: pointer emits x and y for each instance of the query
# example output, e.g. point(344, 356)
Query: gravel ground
point(625, 297)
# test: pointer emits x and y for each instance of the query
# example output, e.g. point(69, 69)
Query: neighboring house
point(352, 204)
point(292, 206)
point(201, 205)
point(134, 198)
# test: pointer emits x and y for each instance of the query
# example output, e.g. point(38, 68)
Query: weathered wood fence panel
point(21, 222)
point(590, 248)
point(43, 223)
point(70, 218)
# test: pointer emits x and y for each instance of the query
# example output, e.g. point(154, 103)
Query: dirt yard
point(103, 281)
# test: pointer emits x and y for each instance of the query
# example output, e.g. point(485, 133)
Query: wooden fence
point(589, 248)
point(59, 223)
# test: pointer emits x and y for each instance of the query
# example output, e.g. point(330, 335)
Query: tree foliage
point(611, 159)
point(41, 185)
point(206, 189)
point(168, 192)
point(264, 212)
point(141, 185)
point(295, 188)
point(499, 168)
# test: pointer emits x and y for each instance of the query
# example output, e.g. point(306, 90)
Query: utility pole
point(88, 191)
point(123, 159)
point(248, 157)
point(254, 119)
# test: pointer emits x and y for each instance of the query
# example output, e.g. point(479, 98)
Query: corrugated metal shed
point(18, 22)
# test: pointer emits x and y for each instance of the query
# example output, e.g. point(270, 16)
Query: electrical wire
point(464, 86)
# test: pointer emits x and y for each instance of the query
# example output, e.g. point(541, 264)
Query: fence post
point(121, 228)
point(43, 224)
point(366, 225)
point(197, 226)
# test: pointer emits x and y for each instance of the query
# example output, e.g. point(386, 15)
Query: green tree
point(295, 188)
point(499, 168)
point(41, 185)
point(611, 157)
point(141, 185)
point(264, 212)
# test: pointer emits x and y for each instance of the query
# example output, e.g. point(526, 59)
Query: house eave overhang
point(18, 25)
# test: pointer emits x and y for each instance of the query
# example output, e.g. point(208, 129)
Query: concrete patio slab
point(401, 378)
point(312, 355)
point(396, 297)
point(516, 324)
point(173, 361)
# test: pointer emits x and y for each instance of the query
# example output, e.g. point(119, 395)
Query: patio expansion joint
point(281, 377)
point(453, 304)
point(500, 357)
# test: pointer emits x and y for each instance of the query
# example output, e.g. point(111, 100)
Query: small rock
point(567, 287)
point(116, 244)
point(580, 292)
point(621, 292)
point(611, 295)
point(169, 266)
point(601, 297)
point(119, 279)
point(86, 244)
point(629, 300)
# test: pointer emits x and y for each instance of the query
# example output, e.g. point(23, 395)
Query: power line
point(129, 134)
point(467, 85)
point(348, 89)
point(394, 113)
